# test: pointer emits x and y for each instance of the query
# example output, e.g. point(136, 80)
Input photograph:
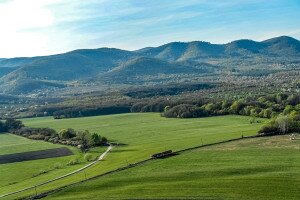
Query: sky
point(44, 27)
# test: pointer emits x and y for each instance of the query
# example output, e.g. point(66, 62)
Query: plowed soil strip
point(35, 155)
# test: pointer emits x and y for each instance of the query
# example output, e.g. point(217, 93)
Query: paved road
point(60, 177)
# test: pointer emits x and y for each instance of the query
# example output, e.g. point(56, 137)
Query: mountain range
point(110, 65)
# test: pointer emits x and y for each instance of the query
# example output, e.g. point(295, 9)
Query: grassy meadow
point(10, 144)
point(140, 135)
point(27, 173)
point(260, 168)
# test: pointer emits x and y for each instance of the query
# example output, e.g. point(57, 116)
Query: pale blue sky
point(41, 27)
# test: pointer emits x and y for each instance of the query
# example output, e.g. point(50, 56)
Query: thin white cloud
point(41, 27)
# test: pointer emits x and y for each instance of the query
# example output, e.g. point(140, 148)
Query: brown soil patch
point(35, 155)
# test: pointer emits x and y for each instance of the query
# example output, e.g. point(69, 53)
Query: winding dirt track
point(60, 177)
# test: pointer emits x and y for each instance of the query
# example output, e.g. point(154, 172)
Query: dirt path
point(61, 177)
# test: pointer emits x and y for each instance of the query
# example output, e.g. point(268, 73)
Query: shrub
point(36, 137)
point(269, 129)
point(67, 133)
point(74, 161)
point(47, 132)
point(43, 171)
point(58, 166)
point(88, 157)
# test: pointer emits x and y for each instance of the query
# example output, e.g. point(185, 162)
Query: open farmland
point(10, 144)
point(35, 155)
point(19, 175)
point(259, 168)
point(155, 133)
point(143, 134)
point(150, 100)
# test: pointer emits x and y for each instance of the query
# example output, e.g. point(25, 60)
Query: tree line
point(155, 104)
point(90, 111)
point(282, 109)
point(82, 139)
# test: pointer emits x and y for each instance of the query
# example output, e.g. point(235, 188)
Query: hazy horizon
point(151, 46)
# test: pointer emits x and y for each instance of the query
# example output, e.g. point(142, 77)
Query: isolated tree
point(88, 157)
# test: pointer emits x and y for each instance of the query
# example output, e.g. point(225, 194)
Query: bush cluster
point(282, 124)
point(83, 139)
point(184, 111)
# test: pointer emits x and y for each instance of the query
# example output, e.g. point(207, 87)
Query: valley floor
point(19, 175)
point(260, 168)
point(209, 173)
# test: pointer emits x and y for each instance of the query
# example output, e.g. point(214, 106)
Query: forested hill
point(152, 64)
point(179, 51)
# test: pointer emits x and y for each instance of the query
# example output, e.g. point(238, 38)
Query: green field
point(260, 168)
point(141, 135)
point(24, 174)
point(10, 144)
